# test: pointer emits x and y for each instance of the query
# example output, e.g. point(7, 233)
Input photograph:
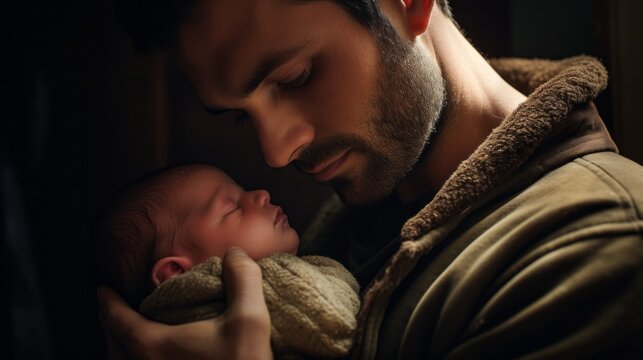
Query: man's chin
point(353, 195)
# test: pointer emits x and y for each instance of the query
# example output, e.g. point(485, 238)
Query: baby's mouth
point(279, 216)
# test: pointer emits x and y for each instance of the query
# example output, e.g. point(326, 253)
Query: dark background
point(82, 114)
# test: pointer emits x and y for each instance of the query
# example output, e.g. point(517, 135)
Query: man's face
point(353, 108)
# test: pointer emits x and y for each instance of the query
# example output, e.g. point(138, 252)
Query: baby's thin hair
point(127, 231)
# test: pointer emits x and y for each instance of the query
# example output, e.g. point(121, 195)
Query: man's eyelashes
point(297, 82)
point(241, 118)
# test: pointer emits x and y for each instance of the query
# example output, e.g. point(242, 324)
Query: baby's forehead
point(220, 173)
point(187, 173)
point(214, 175)
point(187, 188)
point(197, 181)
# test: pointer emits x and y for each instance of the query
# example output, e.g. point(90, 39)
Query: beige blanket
point(312, 301)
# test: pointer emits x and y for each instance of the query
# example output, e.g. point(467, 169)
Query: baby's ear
point(169, 267)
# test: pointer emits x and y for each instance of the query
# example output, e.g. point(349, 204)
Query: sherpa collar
point(555, 88)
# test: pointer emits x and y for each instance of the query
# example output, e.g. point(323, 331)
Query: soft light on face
point(214, 213)
point(353, 108)
point(409, 101)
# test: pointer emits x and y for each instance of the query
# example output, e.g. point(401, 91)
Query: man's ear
point(168, 267)
point(418, 13)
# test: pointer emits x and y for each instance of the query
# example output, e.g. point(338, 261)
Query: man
point(521, 229)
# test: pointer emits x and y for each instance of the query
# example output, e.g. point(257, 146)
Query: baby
point(161, 242)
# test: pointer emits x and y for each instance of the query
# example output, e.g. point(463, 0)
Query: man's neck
point(478, 101)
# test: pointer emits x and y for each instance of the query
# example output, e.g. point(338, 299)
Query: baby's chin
point(293, 251)
point(290, 250)
point(295, 246)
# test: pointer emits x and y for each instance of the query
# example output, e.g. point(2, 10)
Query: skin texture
point(357, 120)
point(242, 332)
point(208, 213)
point(220, 49)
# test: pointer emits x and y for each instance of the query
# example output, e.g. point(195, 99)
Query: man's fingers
point(115, 351)
point(244, 291)
point(119, 319)
point(246, 320)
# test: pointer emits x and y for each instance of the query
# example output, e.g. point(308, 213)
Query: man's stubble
point(410, 98)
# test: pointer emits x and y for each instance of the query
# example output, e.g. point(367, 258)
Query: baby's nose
point(260, 197)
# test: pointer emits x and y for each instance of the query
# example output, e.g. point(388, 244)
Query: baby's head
point(166, 223)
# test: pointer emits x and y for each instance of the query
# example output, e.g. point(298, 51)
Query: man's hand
point(242, 332)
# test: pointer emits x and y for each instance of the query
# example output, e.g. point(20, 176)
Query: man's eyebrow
point(270, 64)
point(262, 71)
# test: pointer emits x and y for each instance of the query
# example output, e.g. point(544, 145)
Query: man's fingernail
point(235, 251)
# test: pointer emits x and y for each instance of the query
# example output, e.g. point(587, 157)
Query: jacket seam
point(620, 191)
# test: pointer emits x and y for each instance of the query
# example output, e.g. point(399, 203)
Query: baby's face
point(219, 214)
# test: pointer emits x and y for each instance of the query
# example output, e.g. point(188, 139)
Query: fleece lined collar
point(558, 87)
point(555, 88)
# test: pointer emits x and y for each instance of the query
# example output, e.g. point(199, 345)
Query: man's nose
point(282, 134)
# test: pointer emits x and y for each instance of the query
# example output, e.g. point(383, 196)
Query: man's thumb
point(244, 289)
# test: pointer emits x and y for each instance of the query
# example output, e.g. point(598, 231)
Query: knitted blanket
point(312, 301)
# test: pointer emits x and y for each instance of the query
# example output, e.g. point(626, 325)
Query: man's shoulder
point(547, 269)
point(600, 183)
point(600, 193)
point(600, 189)
point(623, 175)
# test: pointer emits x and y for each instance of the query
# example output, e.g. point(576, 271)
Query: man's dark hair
point(152, 24)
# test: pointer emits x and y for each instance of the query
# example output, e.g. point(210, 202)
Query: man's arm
point(242, 332)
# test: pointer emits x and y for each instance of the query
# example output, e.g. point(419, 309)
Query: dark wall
point(550, 29)
point(82, 114)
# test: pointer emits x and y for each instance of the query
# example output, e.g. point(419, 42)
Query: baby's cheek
point(256, 240)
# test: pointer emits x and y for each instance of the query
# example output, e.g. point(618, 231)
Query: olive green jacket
point(532, 248)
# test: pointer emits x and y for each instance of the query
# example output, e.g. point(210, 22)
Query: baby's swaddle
point(312, 300)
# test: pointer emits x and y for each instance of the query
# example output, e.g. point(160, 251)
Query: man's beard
point(411, 96)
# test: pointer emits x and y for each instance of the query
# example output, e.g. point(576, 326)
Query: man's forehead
point(224, 36)
point(215, 21)
point(225, 15)
point(208, 39)
point(225, 25)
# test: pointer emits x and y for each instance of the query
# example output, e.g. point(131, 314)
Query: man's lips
point(327, 169)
